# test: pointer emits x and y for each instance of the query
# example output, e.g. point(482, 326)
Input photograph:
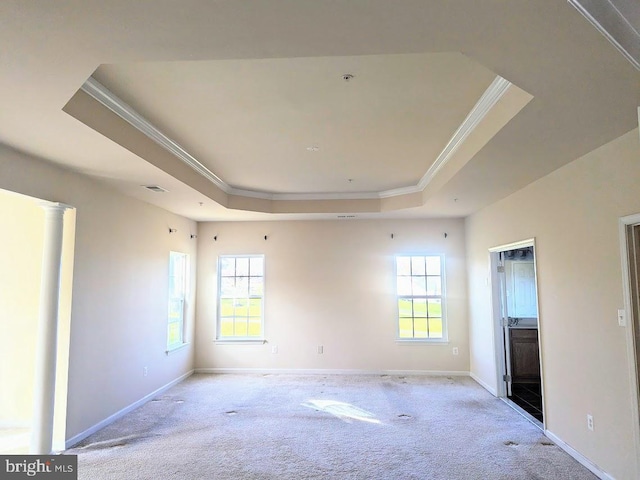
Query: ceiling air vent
point(155, 188)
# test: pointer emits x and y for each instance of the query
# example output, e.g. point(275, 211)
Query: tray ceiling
point(246, 87)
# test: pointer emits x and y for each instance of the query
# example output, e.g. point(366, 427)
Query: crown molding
point(613, 25)
point(326, 196)
point(118, 106)
point(110, 100)
point(249, 193)
point(483, 106)
point(304, 196)
point(487, 101)
point(396, 192)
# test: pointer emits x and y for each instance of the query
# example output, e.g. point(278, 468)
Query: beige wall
point(573, 215)
point(120, 284)
point(21, 244)
point(331, 283)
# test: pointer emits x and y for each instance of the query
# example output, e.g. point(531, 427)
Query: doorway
point(629, 317)
point(516, 319)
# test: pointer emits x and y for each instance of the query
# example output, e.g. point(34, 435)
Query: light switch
point(622, 318)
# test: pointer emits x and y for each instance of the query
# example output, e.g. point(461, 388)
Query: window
point(420, 285)
point(177, 294)
point(241, 297)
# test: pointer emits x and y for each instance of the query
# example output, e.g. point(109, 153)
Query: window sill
point(241, 341)
point(175, 348)
point(422, 341)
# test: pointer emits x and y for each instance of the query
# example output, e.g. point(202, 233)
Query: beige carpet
point(324, 427)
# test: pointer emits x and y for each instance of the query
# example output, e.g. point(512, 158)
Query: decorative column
point(47, 335)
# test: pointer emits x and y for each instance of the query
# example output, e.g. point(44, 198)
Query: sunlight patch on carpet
point(344, 411)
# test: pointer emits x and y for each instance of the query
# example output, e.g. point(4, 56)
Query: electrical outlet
point(145, 371)
point(320, 349)
point(455, 350)
point(622, 318)
point(274, 349)
point(590, 422)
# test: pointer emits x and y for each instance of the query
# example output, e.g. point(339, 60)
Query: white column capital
point(54, 206)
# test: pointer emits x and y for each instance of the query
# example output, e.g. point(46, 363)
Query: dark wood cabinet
point(525, 355)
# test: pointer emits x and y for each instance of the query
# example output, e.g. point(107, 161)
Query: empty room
point(317, 239)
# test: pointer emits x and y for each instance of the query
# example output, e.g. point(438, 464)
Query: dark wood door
point(525, 356)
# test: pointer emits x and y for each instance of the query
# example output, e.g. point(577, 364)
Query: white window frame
point(179, 298)
point(442, 297)
point(240, 339)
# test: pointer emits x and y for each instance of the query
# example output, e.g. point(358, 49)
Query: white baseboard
point(564, 446)
point(330, 371)
point(484, 385)
point(112, 418)
point(579, 457)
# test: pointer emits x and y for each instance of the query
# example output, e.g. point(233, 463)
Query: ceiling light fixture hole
point(347, 77)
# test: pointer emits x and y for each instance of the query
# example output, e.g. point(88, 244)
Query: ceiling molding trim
point(118, 106)
point(487, 101)
point(303, 196)
point(250, 193)
point(326, 196)
point(396, 192)
point(608, 20)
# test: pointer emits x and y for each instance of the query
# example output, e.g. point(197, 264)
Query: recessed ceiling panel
point(296, 125)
